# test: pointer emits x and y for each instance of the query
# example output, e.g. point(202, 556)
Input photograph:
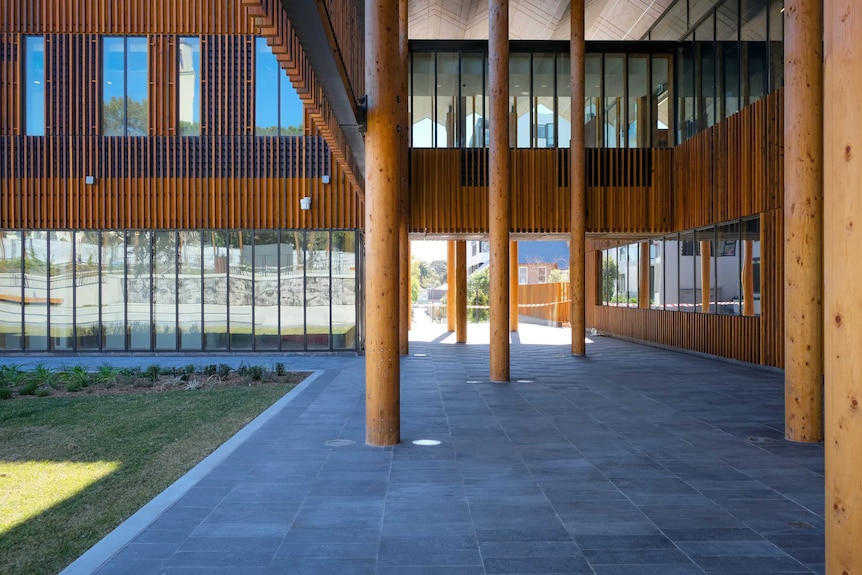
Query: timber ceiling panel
point(533, 19)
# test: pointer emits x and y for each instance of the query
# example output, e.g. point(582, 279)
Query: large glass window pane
point(688, 272)
point(344, 290)
point(704, 52)
point(776, 44)
point(685, 93)
point(87, 288)
point(165, 289)
point(190, 86)
point(61, 290)
point(593, 116)
point(473, 98)
point(189, 290)
point(753, 49)
point(240, 290)
point(519, 100)
point(544, 128)
point(447, 97)
point(291, 115)
point(36, 290)
point(292, 286)
point(215, 264)
point(266, 80)
point(113, 86)
point(11, 290)
point(656, 274)
point(113, 290)
point(317, 296)
point(751, 304)
point(564, 101)
point(34, 87)
point(704, 262)
point(139, 287)
point(670, 258)
point(633, 274)
point(137, 84)
point(728, 258)
point(622, 293)
point(638, 107)
point(266, 263)
point(614, 111)
point(662, 99)
point(609, 276)
point(727, 35)
point(422, 85)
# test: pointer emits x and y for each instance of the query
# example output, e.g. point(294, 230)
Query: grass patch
point(73, 468)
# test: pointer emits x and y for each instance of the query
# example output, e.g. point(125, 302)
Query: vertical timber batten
point(450, 286)
point(577, 179)
point(842, 224)
point(461, 291)
point(803, 220)
point(513, 286)
point(382, 222)
point(498, 186)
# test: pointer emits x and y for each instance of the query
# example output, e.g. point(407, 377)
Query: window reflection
point(215, 280)
point(473, 96)
point(34, 91)
point(277, 107)
point(139, 289)
point(189, 53)
point(447, 97)
point(422, 83)
point(190, 290)
point(11, 290)
point(266, 262)
point(124, 86)
point(35, 298)
point(519, 100)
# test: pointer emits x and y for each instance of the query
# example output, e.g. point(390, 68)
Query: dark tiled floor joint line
point(631, 461)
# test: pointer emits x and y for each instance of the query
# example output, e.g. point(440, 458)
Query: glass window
point(113, 290)
point(704, 51)
point(87, 287)
point(776, 44)
point(593, 115)
point(266, 259)
point(727, 56)
point(638, 108)
point(656, 274)
point(519, 100)
point(292, 297)
point(447, 96)
point(688, 272)
point(189, 54)
point(240, 290)
point(165, 289)
point(542, 275)
point(522, 274)
point(139, 289)
point(277, 107)
point(705, 266)
point(422, 86)
point(215, 277)
point(685, 93)
point(564, 101)
point(61, 290)
point(670, 259)
point(473, 96)
point(662, 114)
point(753, 49)
point(124, 86)
point(613, 110)
point(11, 290)
point(544, 128)
point(728, 259)
point(317, 294)
point(34, 86)
point(344, 290)
point(751, 304)
point(190, 289)
point(36, 258)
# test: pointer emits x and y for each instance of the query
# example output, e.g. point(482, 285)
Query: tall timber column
point(461, 291)
point(382, 220)
point(644, 294)
point(577, 180)
point(513, 286)
point(403, 238)
point(451, 306)
point(748, 277)
point(803, 220)
point(498, 186)
point(842, 224)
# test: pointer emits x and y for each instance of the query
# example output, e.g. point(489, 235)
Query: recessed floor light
point(425, 442)
point(340, 442)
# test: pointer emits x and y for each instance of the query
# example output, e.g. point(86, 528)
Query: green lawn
point(73, 468)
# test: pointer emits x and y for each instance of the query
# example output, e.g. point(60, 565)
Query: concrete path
point(631, 461)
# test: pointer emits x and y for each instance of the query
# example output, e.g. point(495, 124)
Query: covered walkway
point(632, 461)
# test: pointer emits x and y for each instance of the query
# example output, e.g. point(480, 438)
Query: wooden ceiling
point(533, 19)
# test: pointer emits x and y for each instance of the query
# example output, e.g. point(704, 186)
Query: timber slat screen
point(548, 302)
point(226, 176)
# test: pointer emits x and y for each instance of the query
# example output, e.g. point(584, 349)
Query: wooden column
point(748, 278)
point(403, 224)
point(513, 286)
point(498, 186)
point(803, 220)
point(643, 277)
point(705, 275)
point(577, 180)
point(461, 291)
point(451, 305)
point(842, 224)
point(382, 218)
point(410, 285)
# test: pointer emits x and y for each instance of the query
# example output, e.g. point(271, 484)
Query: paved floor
point(631, 461)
